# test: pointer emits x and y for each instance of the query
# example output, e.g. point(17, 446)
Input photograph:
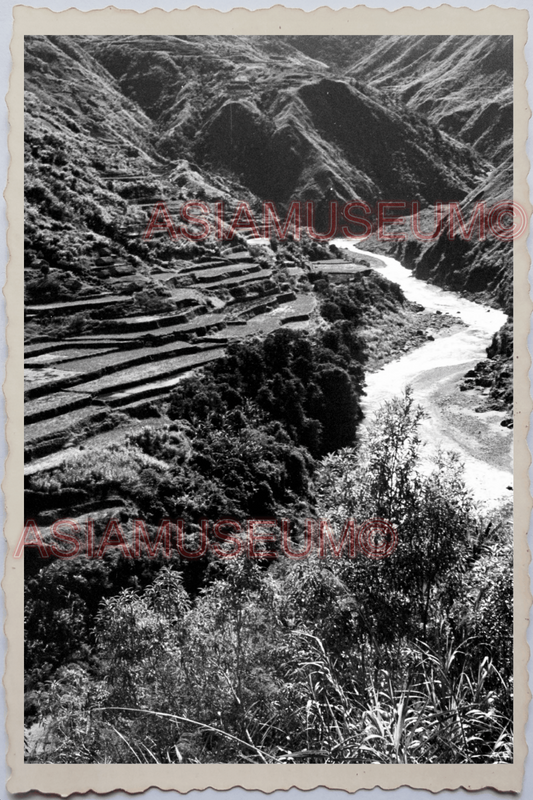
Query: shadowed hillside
point(190, 381)
point(273, 117)
point(460, 83)
point(479, 268)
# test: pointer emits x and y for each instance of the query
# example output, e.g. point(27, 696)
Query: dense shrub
point(335, 659)
point(311, 385)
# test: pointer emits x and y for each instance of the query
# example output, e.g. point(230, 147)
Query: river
point(434, 371)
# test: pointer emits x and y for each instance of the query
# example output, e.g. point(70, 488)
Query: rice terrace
point(268, 399)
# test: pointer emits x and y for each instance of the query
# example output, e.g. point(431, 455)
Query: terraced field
point(87, 369)
point(339, 270)
point(76, 384)
point(215, 274)
point(42, 356)
point(42, 438)
point(72, 383)
point(75, 306)
point(73, 400)
point(155, 388)
point(146, 371)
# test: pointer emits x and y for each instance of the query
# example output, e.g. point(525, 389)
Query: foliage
point(309, 385)
point(332, 659)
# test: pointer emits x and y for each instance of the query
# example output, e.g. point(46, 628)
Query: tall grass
point(439, 710)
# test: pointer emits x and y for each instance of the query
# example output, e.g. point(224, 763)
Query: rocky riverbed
point(455, 419)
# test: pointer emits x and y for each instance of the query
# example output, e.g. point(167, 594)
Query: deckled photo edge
point(73, 778)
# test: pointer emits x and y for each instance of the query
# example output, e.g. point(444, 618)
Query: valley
point(206, 396)
point(111, 130)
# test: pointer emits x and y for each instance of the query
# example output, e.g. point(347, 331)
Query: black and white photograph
point(268, 399)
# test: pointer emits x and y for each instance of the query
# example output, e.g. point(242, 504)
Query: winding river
point(434, 371)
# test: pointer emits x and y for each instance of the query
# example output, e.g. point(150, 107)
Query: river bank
point(390, 337)
point(494, 372)
point(435, 371)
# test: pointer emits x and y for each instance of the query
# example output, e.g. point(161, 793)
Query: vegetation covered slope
point(279, 121)
point(460, 83)
point(323, 659)
point(200, 657)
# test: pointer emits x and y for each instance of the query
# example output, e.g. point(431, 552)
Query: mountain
point(277, 119)
point(462, 84)
point(114, 321)
point(265, 118)
point(114, 125)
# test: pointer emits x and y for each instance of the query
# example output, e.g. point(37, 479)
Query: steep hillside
point(338, 52)
point(463, 84)
point(479, 268)
point(270, 115)
point(93, 175)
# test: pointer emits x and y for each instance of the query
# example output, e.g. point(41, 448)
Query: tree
point(434, 515)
